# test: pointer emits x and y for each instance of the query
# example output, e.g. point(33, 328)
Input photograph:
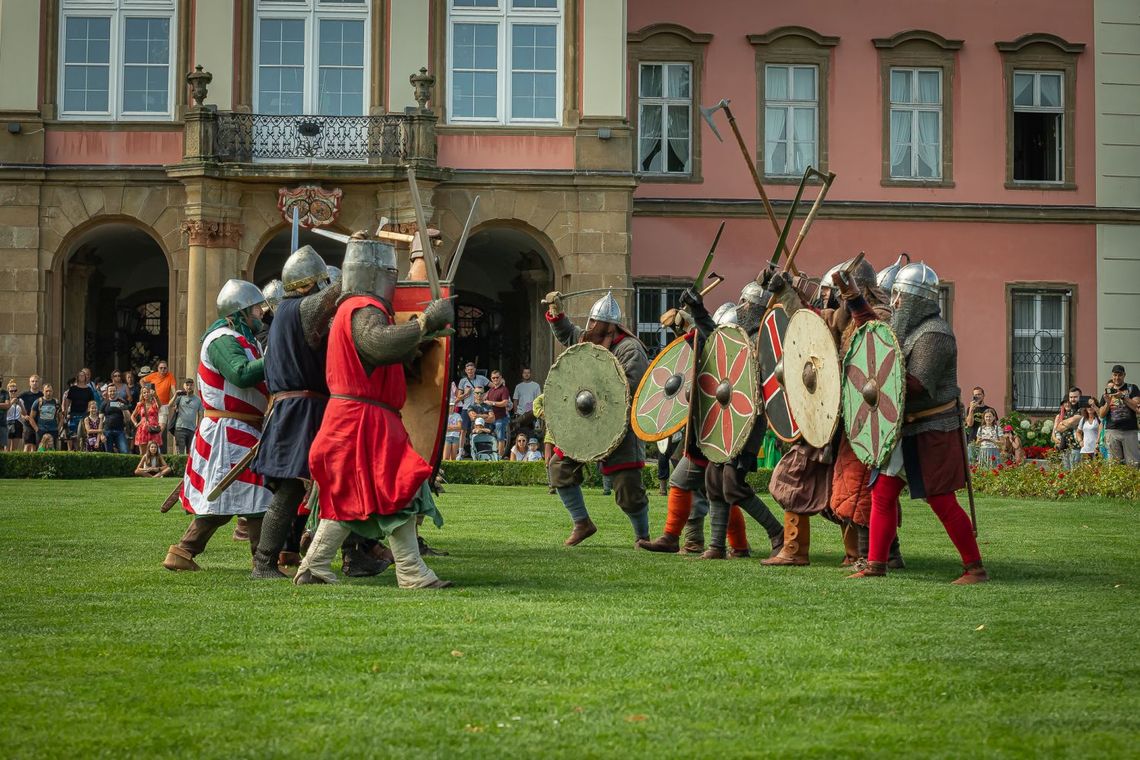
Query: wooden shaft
point(755, 177)
point(809, 219)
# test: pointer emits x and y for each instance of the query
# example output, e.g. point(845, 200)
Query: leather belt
point(949, 405)
point(280, 395)
point(369, 401)
point(220, 414)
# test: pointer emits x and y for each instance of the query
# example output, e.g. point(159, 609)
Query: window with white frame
point(916, 123)
point(664, 118)
point(116, 59)
point(504, 61)
point(1040, 348)
point(652, 302)
point(791, 119)
point(1038, 126)
point(311, 57)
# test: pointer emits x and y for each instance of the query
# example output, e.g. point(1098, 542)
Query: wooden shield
point(727, 393)
point(770, 348)
point(661, 403)
point(586, 402)
point(425, 412)
point(811, 377)
point(874, 389)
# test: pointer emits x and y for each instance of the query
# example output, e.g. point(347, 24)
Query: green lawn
point(546, 651)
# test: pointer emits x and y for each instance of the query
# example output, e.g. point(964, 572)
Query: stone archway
point(113, 301)
point(266, 264)
point(505, 271)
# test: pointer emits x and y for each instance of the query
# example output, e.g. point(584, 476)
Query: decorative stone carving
point(198, 79)
point(422, 84)
point(211, 233)
point(316, 206)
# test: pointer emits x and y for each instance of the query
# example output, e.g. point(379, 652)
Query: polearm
point(790, 264)
point(966, 467)
point(707, 113)
point(701, 275)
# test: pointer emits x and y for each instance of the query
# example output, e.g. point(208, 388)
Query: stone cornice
point(1025, 40)
point(645, 32)
point(912, 35)
point(782, 32)
point(212, 233)
point(883, 210)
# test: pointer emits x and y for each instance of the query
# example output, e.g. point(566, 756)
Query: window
point(1040, 72)
point(791, 119)
point(916, 123)
point(664, 118)
point(1038, 126)
point(311, 57)
point(917, 70)
point(652, 302)
point(116, 59)
point(503, 62)
point(1040, 348)
point(150, 317)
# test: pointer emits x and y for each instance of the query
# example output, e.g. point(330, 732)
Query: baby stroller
point(484, 447)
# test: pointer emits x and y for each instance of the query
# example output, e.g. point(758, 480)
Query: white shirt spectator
point(525, 393)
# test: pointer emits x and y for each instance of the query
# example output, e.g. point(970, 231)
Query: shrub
point(76, 465)
point(534, 474)
point(1031, 480)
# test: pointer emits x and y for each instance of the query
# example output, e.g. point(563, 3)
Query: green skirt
point(378, 527)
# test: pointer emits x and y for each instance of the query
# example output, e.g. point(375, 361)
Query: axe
point(707, 113)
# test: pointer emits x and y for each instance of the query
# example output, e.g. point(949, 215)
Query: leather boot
point(694, 535)
point(797, 539)
point(850, 543)
point(358, 563)
point(666, 544)
point(973, 573)
point(713, 552)
point(241, 530)
point(873, 570)
point(178, 558)
point(582, 530)
point(894, 556)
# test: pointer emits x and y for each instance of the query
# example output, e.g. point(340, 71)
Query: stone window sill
point(1062, 186)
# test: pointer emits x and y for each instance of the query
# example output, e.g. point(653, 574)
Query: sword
point(421, 224)
point(462, 242)
point(708, 259)
point(586, 292)
point(235, 471)
point(295, 235)
point(966, 465)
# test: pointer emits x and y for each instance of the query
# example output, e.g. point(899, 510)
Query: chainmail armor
point(931, 358)
point(317, 311)
point(749, 316)
point(379, 342)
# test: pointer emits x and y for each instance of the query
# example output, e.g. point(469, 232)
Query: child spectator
point(47, 442)
point(91, 429)
point(532, 452)
point(987, 438)
point(1089, 431)
point(145, 420)
point(453, 434)
point(518, 451)
point(151, 464)
point(1010, 446)
point(115, 414)
point(45, 415)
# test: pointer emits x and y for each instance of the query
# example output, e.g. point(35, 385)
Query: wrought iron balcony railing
point(247, 137)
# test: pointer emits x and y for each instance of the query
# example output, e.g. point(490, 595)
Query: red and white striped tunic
point(220, 443)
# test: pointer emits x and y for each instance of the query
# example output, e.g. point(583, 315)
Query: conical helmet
point(753, 293)
point(303, 268)
point(237, 295)
point(273, 291)
point(334, 275)
point(917, 280)
point(606, 309)
point(886, 277)
point(725, 314)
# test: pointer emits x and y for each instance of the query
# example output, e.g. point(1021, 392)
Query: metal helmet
point(334, 275)
point(237, 295)
point(917, 280)
point(725, 314)
point(826, 281)
point(273, 291)
point(753, 293)
point(370, 267)
point(886, 277)
point(864, 275)
point(303, 268)
point(606, 309)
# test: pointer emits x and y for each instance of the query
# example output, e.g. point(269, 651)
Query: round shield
point(586, 402)
point(770, 348)
point(661, 403)
point(874, 388)
point(811, 376)
point(429, 382)
point(727, 390)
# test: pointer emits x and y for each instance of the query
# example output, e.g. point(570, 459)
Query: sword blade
point(462, 242)
point(295, 235)
point(709, 259)
point(425, 241)
point(332, 235)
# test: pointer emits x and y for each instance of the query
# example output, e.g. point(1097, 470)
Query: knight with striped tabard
point(231, 384)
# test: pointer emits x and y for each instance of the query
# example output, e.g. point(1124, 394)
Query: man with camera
point(1118, 408)
point(975, 411)
point(1065, 427)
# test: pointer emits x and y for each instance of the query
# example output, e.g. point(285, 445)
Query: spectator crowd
point(486, 416)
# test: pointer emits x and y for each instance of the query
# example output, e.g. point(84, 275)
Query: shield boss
point(811, 376)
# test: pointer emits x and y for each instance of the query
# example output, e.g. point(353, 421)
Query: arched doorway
point(114, 294)
point(267, 265)
point(503, 275)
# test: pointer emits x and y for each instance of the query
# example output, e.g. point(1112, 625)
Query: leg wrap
point(759, 512)
point(737, 532)
point(884, 516)
point(640, 523)
point(957, 524)
point(574, 502)
point(411, 572)
point(326, 541)
point(718, 513)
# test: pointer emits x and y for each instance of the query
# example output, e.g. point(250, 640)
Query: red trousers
point(885, 520)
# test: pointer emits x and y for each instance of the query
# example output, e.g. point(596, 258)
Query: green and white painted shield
point(586, 402)
point(874, 390)
point(727, 388)
point(661, 403)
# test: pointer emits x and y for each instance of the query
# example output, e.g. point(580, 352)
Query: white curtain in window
point(804, 132)
point(900, 143)
point(649, 121)
point(775, 140)
point(678, 139)
point(900, 87)
point(929, 141)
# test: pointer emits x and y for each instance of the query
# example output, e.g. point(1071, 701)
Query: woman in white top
point(1088, 431)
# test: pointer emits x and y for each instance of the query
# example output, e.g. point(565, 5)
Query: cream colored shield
point(811, 377)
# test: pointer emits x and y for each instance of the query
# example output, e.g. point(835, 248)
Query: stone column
point(538, 284)
point(211, 262)
point(75, 286)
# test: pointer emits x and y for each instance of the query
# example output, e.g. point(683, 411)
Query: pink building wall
point(855, 91)
point(101, 148)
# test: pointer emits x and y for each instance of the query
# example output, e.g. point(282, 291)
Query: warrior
point(623, 464)
point(726, 484)
point(369, 477)
point(295, 375)
point(686, 501)
point(930, 456)
point(231, 377)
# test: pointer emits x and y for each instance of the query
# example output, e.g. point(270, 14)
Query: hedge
point(65, 465)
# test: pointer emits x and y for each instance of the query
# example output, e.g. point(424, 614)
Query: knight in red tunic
point(369, 477)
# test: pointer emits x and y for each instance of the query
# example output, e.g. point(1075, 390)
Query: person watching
point(465, 396)
point(28, 399)
point(1065, 428)
point(974, 411)
point(1088, 431)
point(115, 413)
point(479, 409)
point(518, 451)
point(184, 415)
point(525, 393)
point(45, 415)
point(498, 397)
point(1118, 407)
point(151, 464)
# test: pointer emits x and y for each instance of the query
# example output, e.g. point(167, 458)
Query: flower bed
point(1036, 480)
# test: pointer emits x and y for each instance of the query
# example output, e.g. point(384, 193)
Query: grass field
point(546, 651)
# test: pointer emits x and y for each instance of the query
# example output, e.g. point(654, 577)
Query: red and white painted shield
point(770, 347)
point(726, 393)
